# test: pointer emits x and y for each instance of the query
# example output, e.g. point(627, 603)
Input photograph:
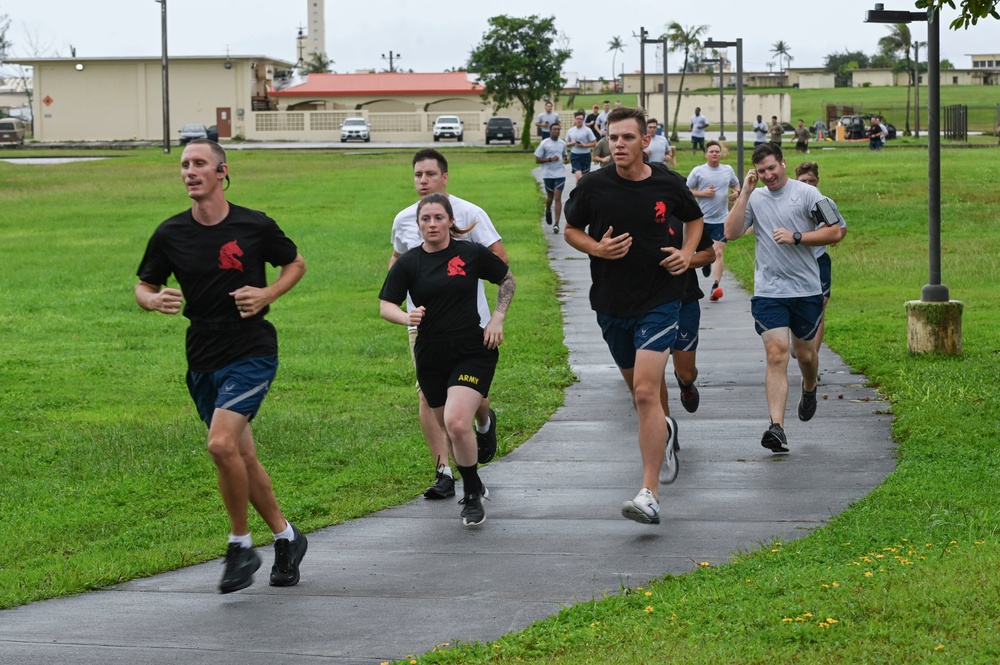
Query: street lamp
point(391, 58)
point(643, 40)
point(166, 77)
point(711, 43)
point(945, 331)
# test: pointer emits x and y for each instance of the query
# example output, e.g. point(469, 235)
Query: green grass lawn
point(105, 476)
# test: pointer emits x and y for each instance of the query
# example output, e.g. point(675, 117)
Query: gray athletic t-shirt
point(784, 271)
point(722, 177)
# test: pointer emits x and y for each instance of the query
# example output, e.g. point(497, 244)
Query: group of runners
point(644, 232)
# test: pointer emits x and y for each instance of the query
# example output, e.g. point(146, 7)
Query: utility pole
point(166, 77)
point(916, 84)
point(390, 57)
point(642, 67)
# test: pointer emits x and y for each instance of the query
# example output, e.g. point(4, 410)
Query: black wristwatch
point(797, 237)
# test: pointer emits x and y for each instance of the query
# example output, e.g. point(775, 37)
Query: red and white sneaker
point(716, 293)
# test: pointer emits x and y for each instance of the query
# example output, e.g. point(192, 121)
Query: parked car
point(500, 128)
point(856, 127)
point(213, 133)
point(355, 128)
point(192, 132)
point(448, 127)
point(11, 131)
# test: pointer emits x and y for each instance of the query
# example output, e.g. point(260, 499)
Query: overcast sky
point(432, 36)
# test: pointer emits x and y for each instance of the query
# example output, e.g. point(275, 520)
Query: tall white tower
point(316, 28)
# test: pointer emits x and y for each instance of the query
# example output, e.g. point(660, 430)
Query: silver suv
point(448, 126)
point(355, 128)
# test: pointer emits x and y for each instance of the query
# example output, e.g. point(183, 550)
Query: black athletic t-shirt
point(692, 289)
point(636, 283)
point(209, 263)
point(445, 282)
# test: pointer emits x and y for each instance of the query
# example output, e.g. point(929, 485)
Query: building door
point(224, 121)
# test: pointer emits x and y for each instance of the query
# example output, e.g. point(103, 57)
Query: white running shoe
point(643, 508)
point(671, 465)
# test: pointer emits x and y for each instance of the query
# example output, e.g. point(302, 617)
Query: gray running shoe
point(643, 508)
point(671, 465)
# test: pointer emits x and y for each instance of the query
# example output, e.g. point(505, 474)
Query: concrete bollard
point(934, 327)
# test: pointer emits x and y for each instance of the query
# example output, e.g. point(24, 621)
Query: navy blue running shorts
point(654, 331)
point(801, 315)
point(240, 387)
point(825, 272)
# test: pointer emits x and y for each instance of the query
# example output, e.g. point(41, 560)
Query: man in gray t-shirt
point(546, 120)
point(789, 219)
point(711, 183)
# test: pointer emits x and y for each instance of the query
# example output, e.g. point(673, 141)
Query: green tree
point(841, 65)
point(971, 10)
point(4, 44)
point(780, 48)
point(519, 61)
point(899, 41)
point(684, 39)
point(945, 64)
point(316, 63)
point(616, 46)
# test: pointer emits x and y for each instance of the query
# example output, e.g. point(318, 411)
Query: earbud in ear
point(219, 168)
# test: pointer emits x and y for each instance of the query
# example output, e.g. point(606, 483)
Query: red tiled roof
point(339, 85)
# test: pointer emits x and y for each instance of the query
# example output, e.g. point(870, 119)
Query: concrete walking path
point(411, 577)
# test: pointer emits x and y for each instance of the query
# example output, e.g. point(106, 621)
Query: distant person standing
point(218, 253)
point(790, 218)
point(710, 183)
point(760, 129)
point(602, 119)
point(545, 120)
point(580, 140)
point(553, 155)
point(658, 151)
point(699, 124)
point(591, 121)
point(775, 131)
point(602, 153)
point(821, 129)
point(801, 137)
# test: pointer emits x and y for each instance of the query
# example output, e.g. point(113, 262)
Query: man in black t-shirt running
point(638, 281)
point(217, 253)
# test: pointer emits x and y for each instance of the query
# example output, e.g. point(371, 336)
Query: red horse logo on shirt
point(228, 257)
point(661, 212)
point(455, 266)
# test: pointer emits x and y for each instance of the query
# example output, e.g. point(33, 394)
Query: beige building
point(14, 97)
point(120, 99)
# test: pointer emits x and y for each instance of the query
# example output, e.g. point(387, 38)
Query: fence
point(955, 122)
point(325, 125)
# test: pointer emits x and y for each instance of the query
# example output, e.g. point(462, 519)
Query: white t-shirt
point(406, 236)
point(548, 149)
point(698, 125)
point(658, 148)
point(580, 135)
point(722, 177)
point(760, 132)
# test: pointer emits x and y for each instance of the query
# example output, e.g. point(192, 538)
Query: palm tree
point(780, 48)
point(898, 41)
point(683, 39)
point(616, 46)
point(316, 63)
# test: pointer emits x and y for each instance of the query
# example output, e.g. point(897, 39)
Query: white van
point(11, 131)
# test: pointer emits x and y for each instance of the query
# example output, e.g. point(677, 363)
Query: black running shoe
point(706, 270)
point(487, 443)
point(241, 563)
point(548, 216)
point(287, 557)
point(807, 405)
point(443, 487)
point(774, 439)
point(472, 511)
point(690, 397)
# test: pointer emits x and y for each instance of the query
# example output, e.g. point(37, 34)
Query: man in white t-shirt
point(580, 140)
point(553, 155)
point(711, 183)
point(699, 124)
point(430, 176)
point(659, 150)
point(760, 131)
point(790, 218)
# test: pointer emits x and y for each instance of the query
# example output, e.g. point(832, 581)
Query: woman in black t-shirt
point(455, 357)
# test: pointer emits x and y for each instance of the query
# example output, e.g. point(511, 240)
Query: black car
point(500, 128)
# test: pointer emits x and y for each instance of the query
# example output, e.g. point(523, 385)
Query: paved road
point(408, 578)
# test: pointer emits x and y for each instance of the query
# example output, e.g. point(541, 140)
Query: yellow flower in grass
point(496, 646)
point(648, 594)
point(836, 584)
point(649, 608)
point(787, 620)
point(807, 614)
point(829, 620)
point(822, 624)
point(704, 564)
point(868, 573)
point(799, 619)
point(939, 647)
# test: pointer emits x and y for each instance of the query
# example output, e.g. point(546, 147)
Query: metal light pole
point(711, 43)
point(935, 321)
point(916, 84)
point(166, 77)
point(390, 58)
point(642, 67)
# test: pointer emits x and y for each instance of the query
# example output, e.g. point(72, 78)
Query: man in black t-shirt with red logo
point(638, 281)
point(217, 252)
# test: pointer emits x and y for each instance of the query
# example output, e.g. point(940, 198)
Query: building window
point(989, 63)
point(976, 63)
point(954, 80)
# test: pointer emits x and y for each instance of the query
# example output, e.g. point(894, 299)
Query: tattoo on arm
point(506, 293)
